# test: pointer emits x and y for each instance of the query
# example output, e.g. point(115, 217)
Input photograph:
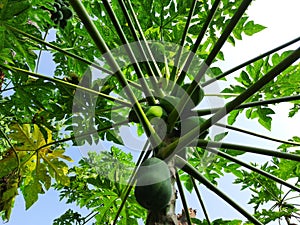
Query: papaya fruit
point(153, 188)
point(169, 103)
point(197, 95)
point(190, 123)
point(154, 111)
point(151, 112)
point(67, 13)
point(132, 117)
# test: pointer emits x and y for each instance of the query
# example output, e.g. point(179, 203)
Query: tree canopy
point(145, 66)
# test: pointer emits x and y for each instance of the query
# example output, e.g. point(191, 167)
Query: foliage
point(41, 114)
point(92, 187)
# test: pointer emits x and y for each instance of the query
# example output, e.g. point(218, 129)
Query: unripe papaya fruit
point(153, 188)
point(66, 12)
point(190, 123)
point(132, 117)
point(197, 95)
point(59, 15)
point(154, 111)
point(169, 103)
point(151, 112)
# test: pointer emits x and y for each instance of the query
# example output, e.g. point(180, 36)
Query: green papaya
point(151, 112)
point(197, 95)
point(57, 5)
point(66, 12)
point(154, 111)
point(169, 103)
point(56, 17)
point(132, 117)
point(190, 123)
point(153, 189)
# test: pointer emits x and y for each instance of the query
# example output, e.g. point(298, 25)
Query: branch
point(184, 35)
point(42, 42)
point(190, 56)
point(103, 48)
point(153, 70)
point(186, 167)
point(132, 179)
point(204, 144)
point(234, 20)
point(201, 201)
point(250, 61)
point(55, 80)
point(257, 170)
point(203, 112)
point(132, 57)
point(157, 71)
point(183, 200)
point(257, 135)
point(82, 135)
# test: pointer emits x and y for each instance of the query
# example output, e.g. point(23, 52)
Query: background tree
point(40, 114)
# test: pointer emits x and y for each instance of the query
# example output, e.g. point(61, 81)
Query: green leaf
point(288, 169)
point(220, 136)
point(112, 136)
point(244, 79)
point(251, 28)
point(264, 119)
point(8, 164)
point(232, 117)
point(188, 184)
point(30, 192)
point(13, 8)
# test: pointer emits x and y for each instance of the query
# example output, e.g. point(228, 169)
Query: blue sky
point(282, 19)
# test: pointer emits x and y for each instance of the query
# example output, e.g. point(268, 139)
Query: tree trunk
point(166, 216)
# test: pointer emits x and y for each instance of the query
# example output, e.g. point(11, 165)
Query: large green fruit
point(191, 123)
point(153, 189)
point(197, 95)
point(169, 103)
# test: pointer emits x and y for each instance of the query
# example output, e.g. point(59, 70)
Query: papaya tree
point(133, 80)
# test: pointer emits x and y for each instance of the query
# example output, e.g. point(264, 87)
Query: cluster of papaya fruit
point(61, 13)
point(187, 119)
point(153, 190)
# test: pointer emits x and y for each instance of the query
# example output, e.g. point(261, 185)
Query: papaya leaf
point(288, 169)
point(8, 192)
point(39, 163)
point(31, 191)
point(13, 8)
point(251, 28)
point(8, 164)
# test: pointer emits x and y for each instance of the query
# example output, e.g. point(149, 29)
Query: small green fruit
point(154, 111)
point(197, 95)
